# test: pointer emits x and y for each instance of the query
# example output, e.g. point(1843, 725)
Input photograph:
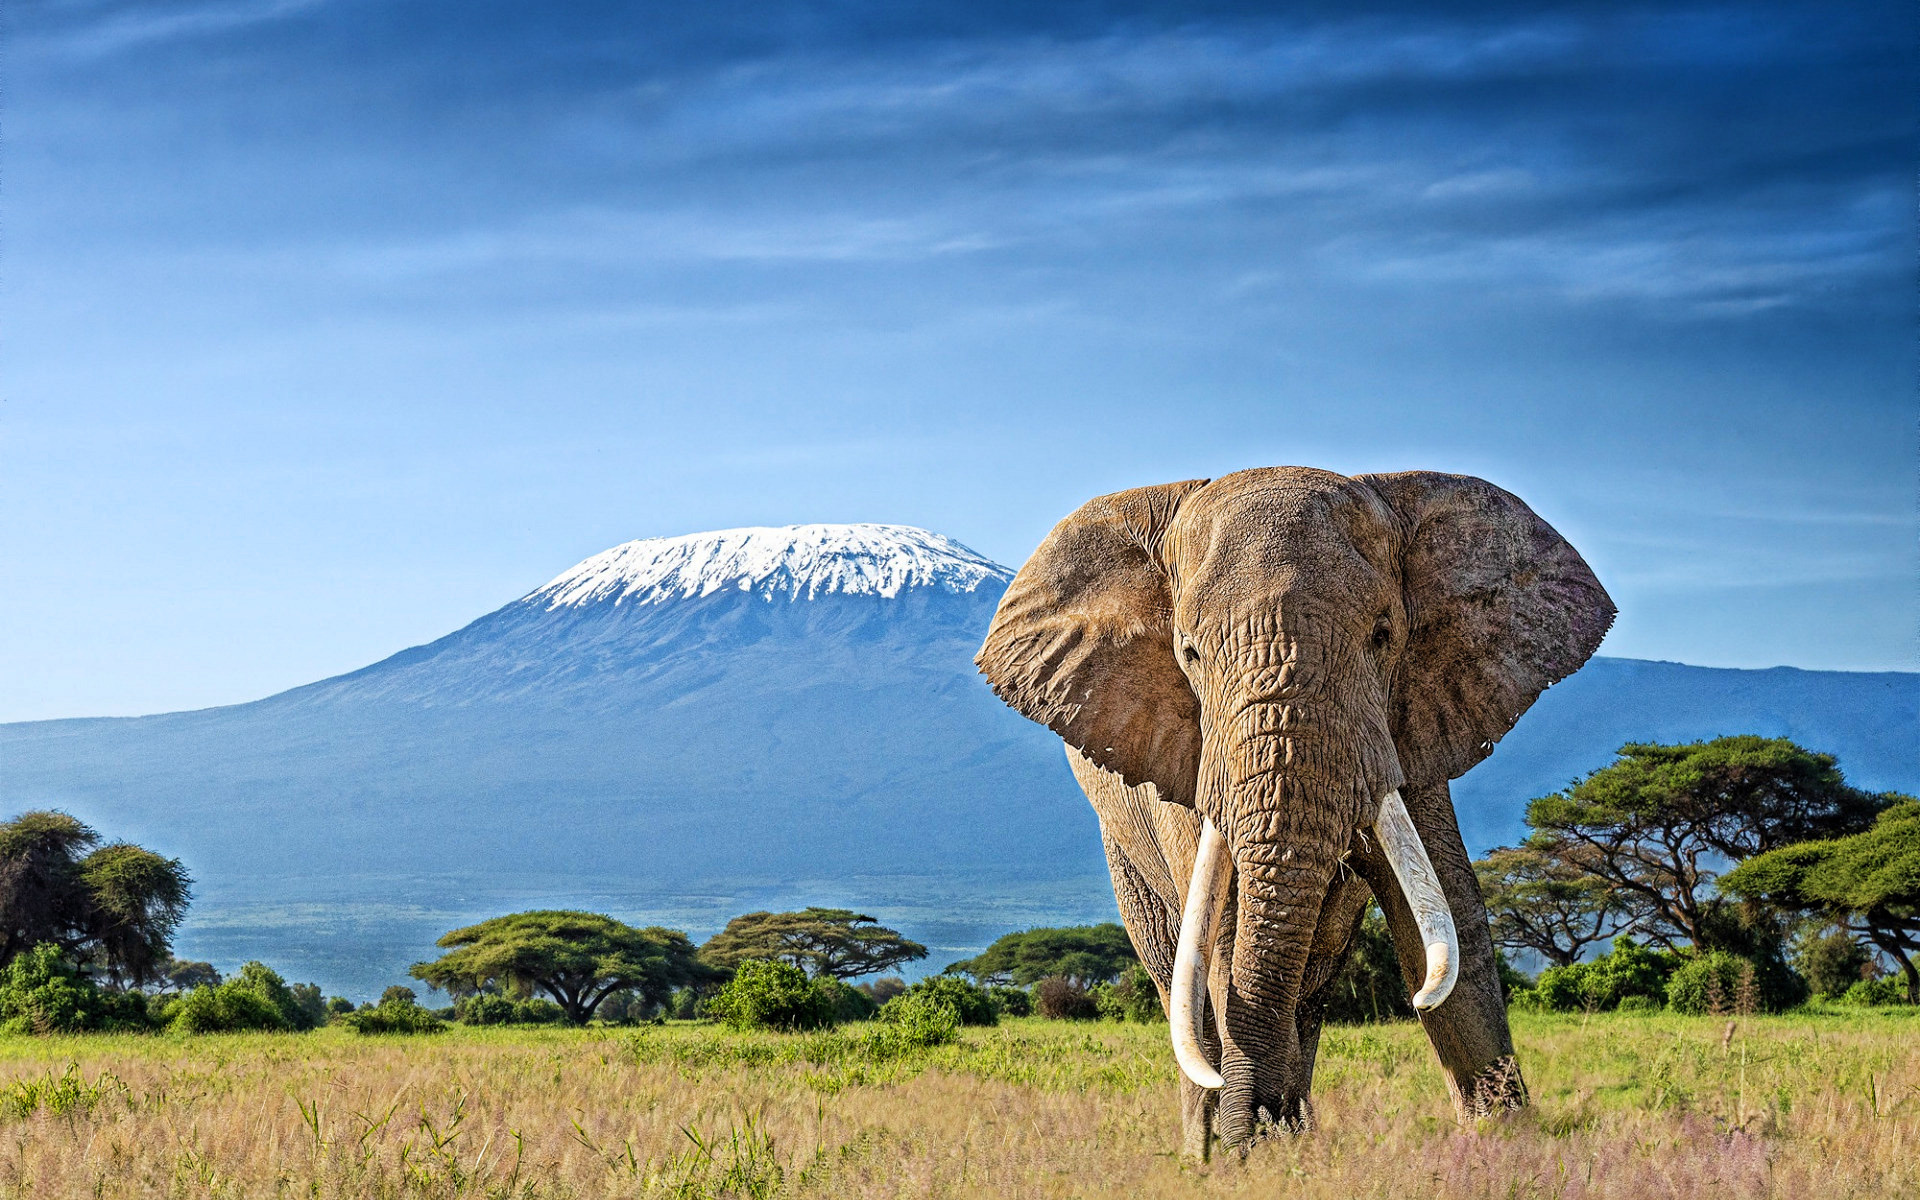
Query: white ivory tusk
point(1418, 883)
point(1199, 925)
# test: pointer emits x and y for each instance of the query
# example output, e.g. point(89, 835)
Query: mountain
point(681, 729)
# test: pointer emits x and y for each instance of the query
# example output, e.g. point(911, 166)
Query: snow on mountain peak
point(793, 562)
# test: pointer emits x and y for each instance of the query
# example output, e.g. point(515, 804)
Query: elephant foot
point(1496, 1088)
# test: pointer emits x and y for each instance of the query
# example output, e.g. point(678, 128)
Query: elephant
point(1264, 683)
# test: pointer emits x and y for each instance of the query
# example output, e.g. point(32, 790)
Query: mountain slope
point(680, 729)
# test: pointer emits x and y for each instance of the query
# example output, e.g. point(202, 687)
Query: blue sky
point(330, 325)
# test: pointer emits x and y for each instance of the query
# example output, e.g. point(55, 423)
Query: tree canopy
point(1087, 954)
point(1658, 823)
point(577, 958)
point(1868, 883)
point(113, 907)
point(820, 941)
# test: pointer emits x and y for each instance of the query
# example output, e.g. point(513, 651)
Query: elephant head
point(1284, 650)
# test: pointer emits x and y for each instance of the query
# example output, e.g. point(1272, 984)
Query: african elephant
point(1264, 683)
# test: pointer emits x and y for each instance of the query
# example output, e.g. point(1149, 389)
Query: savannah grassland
point(1810, 1105)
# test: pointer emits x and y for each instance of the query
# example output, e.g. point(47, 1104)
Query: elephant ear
point(1500, 607)
point(1083, 642)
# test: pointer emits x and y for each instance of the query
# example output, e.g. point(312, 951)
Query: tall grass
point(1817, 1106)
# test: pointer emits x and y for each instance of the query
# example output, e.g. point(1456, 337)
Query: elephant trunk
point(1290, 806)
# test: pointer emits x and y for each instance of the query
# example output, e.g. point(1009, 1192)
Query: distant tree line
point(1738, 874)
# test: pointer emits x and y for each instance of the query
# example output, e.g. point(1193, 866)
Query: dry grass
point(1805, 1106)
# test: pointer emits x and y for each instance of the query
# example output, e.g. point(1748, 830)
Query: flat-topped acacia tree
point(820, 941)
point(577, 958)
point(1867, 884)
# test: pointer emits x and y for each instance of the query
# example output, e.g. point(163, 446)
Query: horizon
point(571, 573)
point(334, 322)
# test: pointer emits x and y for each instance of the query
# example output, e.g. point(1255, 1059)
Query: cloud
point(97, 31)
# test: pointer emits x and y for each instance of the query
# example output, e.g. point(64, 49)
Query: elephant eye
point(1192, 655)
point(1383, 632)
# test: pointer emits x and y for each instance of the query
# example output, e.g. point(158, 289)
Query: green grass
point(1818, 1104)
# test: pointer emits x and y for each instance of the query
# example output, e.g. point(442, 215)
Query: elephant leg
point(1154, 933)
point(1469, 1030)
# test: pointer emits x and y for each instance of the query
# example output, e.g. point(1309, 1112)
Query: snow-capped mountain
point(792, 562)
point(681, 729)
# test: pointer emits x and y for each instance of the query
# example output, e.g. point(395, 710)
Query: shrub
point(1011, 1001)
point(1873, 993)
point(849, 1002)
point(1640, 1004)
point(1831, 961)
point(393, 1015)
point(1133, 998)
point(337, 1007)
point(919, 1018)
point(1526, 1000)
point(1059, 998)
point(1629, 969)
point(254, 998)
point(224, 1008)
point(764, 994)
point(970, 1003)
point(1715, 982)
point(310, 1003)
point(483, 1008)
point(42, 992)
point(491, 1008)
point(687, 1004)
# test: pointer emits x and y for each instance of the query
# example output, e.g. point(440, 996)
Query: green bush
point(764, 994)
point(917, 1019)
point(1714, 982)
point(220, 1009)
point(1136, 998)
point(491, 1008)
point(254, 998)
point(849, 1002)
point(42, 992)
point(1874, 993)
point(483, 1008)
point(1011, 1001)
point(393, 1014)
point(1628, 969)
point(1526, 999)
point(970, 1003)
point(1831, 961)
point(1640, 1004)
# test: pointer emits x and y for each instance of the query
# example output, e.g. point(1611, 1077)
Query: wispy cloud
point(90, 31)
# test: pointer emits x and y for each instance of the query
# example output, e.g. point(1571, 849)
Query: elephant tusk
point(1199, 923)
point(1418, 883)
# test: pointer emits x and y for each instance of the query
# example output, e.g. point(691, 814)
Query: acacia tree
point(820, 941)
point(1659, 822)
point(1868, 883)
point(1540, 901)
point(1086, 954)
point(113, 907)
point(577, 958)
